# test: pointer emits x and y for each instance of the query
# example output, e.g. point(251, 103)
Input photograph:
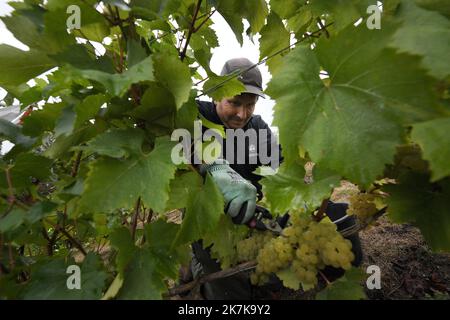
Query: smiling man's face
point(236, 111)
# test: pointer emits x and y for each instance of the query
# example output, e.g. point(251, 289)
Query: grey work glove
point(239, 194)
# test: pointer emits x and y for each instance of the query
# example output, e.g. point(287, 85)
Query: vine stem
point(11, 198)
point(1, 252)
point(204, 21)
point(191, 30)
point(74, 241)
point(76, 165)
point(324, 277)
point(212, 276)
point(135, 218)
point(12, 262)
point(321, 213)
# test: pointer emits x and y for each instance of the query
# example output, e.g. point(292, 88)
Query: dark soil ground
point(409, 269)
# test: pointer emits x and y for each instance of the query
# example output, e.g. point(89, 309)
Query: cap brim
point(254, 90)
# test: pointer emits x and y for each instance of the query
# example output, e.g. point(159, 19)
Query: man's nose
point(242, 113)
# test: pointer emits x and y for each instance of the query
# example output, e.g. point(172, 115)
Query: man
point(237, 113)
point(237, 182)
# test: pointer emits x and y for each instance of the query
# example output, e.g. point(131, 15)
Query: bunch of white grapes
point(248, 249)
point(362, 205)
point(305, 247)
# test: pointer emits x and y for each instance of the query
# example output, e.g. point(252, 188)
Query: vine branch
point(212, 276)
point(191, 30)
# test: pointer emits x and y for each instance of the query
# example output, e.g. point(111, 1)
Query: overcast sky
point(228, 48)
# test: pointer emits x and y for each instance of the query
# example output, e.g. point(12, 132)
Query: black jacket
point(208, 110)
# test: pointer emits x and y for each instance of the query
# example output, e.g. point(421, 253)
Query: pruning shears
point(263, 220)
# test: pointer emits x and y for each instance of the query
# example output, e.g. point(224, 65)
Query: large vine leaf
point(218, 87)
point(415, 200)
point(174, 76)
point(343, 12)
point(49, 280)
point(441, 6)
point(424, 33)
point(117, 183)
point(347, 287)
point(287, 190)
point(203, 209)
point(20, 66)
point(233, 11)
point(224, 239)
point(148, 267)
point(274, 37)
point(180, 189)
point(26, 166)
point(432, 136)
point(370, 94)
point(117, 84)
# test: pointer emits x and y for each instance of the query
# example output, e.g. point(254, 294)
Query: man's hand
point(239, 194)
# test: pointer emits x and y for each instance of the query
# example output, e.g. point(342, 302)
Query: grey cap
point(251, 79)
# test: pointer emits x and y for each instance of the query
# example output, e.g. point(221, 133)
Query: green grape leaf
point(287, 189)
point(20, 66)
point(115, 143)
point(13, 133)
point(274, 37)
point(284, 8)
point(136, 52)
point(427, 34)
point(142, 278)
point(174, 75)
point(117, 183)
point(39, 211)
point(233, 11)
point(89, 108)
point(64, 143)
point(415, 200)
point(66, 122)
point(343, 12)
point(181, 188)
point(432, 136)
point(157, 107)
point(209, 35)
point(12, 220)
point(79, 57)
point(42, 30)
point(118, 84)
point(148, 267)
point(187, 114)
point(203, 211)
point(224, 240)
point(347, 287)
point(229, 9)
point(255, 11)
point(441, 6)
point(370, 94)
point(290, 279)
point(300, 21)
point(218, 87)
point(49, 280)
point(159, 236)
point(27, 165)
point(42, 120)
point(121, 240)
